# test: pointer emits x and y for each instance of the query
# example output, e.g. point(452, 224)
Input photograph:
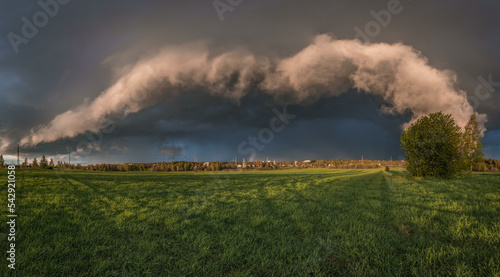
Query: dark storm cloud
point(82, 49)
point(171, 151)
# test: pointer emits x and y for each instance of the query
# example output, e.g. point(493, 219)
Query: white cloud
point(397, 73)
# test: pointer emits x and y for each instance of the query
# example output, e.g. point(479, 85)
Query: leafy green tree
point(432, 146)
point(2, 161)
point(43, 162)
point(51, 163)
point(25, 163)
point(472, 146)
point(34, 164)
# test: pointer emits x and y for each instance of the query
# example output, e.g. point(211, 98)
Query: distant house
point(307, 161)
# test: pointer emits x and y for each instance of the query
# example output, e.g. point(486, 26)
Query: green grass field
point(271, 223)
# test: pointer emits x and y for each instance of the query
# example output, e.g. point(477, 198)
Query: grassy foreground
point(277, 223)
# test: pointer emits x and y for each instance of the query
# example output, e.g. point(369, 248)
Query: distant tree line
point(485, 165)
point(178, 166)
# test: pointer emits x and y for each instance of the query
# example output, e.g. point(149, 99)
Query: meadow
point(308, 222)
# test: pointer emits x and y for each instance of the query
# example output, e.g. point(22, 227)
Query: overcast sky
point(146, 81)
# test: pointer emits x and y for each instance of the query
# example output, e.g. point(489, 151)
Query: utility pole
point(69, 157)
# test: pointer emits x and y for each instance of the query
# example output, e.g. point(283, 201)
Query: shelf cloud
point(396, 73)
